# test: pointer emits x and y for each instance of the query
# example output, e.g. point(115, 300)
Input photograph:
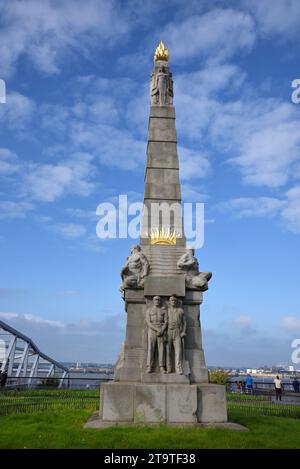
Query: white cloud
point(31, 318)
point(245, 324)
point(18, 111)
point(69, 230)
point(11, 209)
point(253, 207)
point(290, 323)
point(48, 182)
point(282, 18)
point(259, 135)
point(217, 35)
point(190, 193)
point(193, 164)
point(286, 209)
point(81, 340)
point(271, 146)
point(113, 146)
point(9, 163)
point(84, 214)
point(291, 212)
point(48, 31)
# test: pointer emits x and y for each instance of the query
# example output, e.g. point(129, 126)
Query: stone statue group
point(166, 326)
point(137, 268)
point(166, 330)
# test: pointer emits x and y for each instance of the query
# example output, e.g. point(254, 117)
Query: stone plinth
point(130, 403)
point(164, 378)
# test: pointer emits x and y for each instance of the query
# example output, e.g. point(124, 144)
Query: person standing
point(278, 388)
point(249, 383)
point(296, 385)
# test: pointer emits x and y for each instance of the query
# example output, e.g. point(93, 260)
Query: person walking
point(296, 385)
point(249, 383)
point(278, 388)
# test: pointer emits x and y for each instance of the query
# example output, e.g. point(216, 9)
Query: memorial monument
point(161, 374)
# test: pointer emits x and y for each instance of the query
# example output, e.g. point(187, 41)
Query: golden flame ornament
point(163, 236)
point(161, 53)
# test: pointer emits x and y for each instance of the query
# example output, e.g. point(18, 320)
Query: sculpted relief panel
point(166, 330)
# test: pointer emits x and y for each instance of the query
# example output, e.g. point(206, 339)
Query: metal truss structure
point(24, 362)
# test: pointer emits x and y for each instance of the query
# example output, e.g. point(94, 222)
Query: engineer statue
point(156, 320)
point(161, 88)
point(193, 278)
point(135, 269)
point(175, 336)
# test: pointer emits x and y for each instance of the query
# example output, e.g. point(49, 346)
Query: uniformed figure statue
point(156, 320)
point(135, 269)
point(161, 88)
point(175, 336)
point(193, 278)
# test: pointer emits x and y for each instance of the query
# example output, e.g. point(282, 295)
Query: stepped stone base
point(137, 403)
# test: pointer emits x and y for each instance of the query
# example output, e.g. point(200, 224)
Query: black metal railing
point(54, 382)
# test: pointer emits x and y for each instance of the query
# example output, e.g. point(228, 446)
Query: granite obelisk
point(161, 374)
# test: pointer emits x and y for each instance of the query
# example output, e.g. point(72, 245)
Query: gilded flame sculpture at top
point(161, 53)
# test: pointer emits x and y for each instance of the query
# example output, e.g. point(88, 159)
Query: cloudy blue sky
point(73, 134)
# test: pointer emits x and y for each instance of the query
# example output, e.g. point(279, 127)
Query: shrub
point(218, 377)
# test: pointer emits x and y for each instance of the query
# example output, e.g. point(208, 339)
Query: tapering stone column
point(161, 374)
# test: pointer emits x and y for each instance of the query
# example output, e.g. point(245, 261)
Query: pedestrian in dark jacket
point(296, 385)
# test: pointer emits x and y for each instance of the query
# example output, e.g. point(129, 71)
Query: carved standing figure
point(193, 278)
point(176, 334)
point(161, 88)
point(157, 321)
point(135, 269)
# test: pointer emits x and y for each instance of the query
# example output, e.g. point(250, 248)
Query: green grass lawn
point(64, 429)
point(55, 418)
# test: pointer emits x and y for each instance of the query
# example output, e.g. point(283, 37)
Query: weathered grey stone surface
point(164, 403)
point(182, 403)
point(164, 286)
point(168, 378)
point(167, 191)
point(162, 155)
point(161, 130)
point(211, 403)
point(150, 403)
point(117, 402)
point(159, 177)
point(162, 111)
